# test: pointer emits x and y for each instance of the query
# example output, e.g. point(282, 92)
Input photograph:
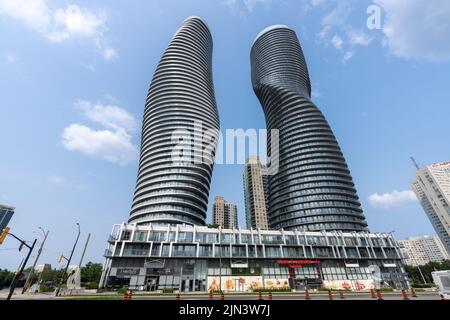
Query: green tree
point(90, 275)
point(5, 277)
point(427, 269)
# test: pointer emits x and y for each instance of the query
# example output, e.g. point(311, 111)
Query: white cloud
point(348, 55)
point(56, 180)
point(113, 146)
point(337, 41)
point(109, 54)
point(242, 7)
point(417, 29)
point(357, 37)
point(337, 31)
point(392, 199)
point(60, 24)
point(33, 13)
point(10, 58)
point(110, 116)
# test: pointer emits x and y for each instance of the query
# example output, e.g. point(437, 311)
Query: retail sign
point(297, 262)
point(127, 272)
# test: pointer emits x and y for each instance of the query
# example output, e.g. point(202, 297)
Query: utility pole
point(30, 275)
point(81, 260)
point(84, 250)
point(18, 274)
point(415, 163)
point(68, 262)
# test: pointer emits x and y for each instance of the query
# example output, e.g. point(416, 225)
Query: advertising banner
point(354, 285)
point(235, 283)
point(276, 283)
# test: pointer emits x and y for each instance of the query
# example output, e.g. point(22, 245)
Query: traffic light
point(3, 235)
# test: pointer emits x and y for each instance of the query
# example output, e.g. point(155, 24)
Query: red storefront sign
point(298, 262)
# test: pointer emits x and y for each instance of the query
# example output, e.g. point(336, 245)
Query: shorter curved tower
point(313, 189)
point(180, 97)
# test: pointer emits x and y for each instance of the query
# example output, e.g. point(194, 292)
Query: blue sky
point(74, 77)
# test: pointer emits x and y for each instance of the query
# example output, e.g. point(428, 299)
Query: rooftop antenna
point(415, 163)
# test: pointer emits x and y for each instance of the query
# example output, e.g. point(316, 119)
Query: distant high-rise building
point(6, 214)
point(180, 99)
point(313, 189)
point(432, 188)
point(224, 213)
point(418, 251)
point(255, 187)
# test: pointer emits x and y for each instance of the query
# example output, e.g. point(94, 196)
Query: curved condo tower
point(313, 189)
point(180, 97)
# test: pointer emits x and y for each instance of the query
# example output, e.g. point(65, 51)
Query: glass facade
point(201, 259)
point(313, 189)
point(6, 214)
point(171, 190)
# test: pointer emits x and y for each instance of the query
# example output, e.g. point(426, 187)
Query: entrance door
point(151, 283)
point(187, 285)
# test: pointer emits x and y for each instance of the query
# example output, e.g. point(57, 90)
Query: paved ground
point(323, 296)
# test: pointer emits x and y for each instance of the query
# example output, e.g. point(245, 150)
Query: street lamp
point(68, 262)
point(30, 275)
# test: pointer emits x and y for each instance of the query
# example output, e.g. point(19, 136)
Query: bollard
point(330, 295)
point(178, 297)
point(222, 296)
point(413, 293)
point(307, 297)
point(372, 293)
point(341, 294)
point(379, 295)
point(404, 295)
point(270, 296)
point(210, 294)
point(260, 296)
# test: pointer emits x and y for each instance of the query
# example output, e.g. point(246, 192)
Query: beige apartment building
point(225, 213)
point(255, 194)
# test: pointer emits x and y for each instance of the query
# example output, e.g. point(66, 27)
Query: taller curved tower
point(181, 96)
point(313, 189)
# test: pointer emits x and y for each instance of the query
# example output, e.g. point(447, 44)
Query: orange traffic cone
point(178, 297)
point(330, 295)
point(341, 294)
point(260, 295)
point(372, 293)
point(210, 294)
point(222, 296)
point(307, 297)
point(270, 296)
point(379, 295)
point(413, 293)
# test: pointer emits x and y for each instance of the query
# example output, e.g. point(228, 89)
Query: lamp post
point(68, 262)
point(30, 275)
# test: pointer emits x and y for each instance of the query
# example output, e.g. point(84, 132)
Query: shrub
point(168, 290)
point(91, 285)
point(122, 290)
point(46, 288)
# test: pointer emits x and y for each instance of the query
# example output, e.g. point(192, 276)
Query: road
point(322, 296)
